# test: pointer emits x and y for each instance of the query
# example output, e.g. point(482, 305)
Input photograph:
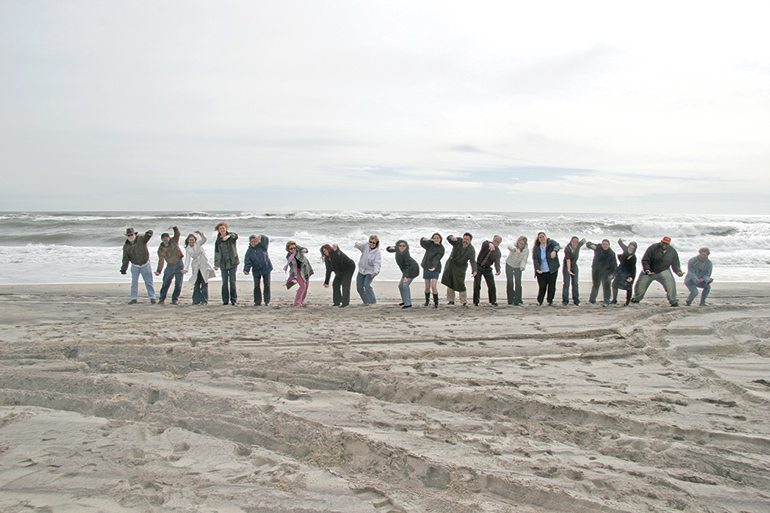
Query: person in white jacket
point(197, 264)
point(514, 265)
point(368, 268)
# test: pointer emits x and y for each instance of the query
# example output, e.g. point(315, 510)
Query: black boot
point(435, 300)
point(427, 299)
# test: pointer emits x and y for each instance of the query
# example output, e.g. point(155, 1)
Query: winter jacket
point(339, 263)
point(656, 260)
point(457, 264)
point(517, 258)
point(553, 263)
point(170, 253)
point(604, 260)
point(136, 252)
point(433, 254)
point(256, 257)
point(404, 261)
point(196, 260)
point(225, 252)
point(370, 260)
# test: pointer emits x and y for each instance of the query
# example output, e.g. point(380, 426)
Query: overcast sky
point(294, 105)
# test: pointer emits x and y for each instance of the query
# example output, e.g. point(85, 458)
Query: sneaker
point(450, 302)
point(160, 302)
point(493, 303)
point(153, 301)
point(406, 306)
point(132, 302)
point(674, 304)
point(175, 303)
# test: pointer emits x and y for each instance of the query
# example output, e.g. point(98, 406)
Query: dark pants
point(600, 279)
point(265, 278)
point(489, 277)
point(341, 287)
point(172, 272)
point(570, 279)
point(200, 290)
point(622, 283)
point(546, 281)
point(229, 294)
point(513, 284)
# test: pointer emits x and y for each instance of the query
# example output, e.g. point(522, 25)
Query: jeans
point(489, 277)
point(365, 290)
point(691, 284)
point(665, 278)
point(172, 272)
point(573, 278)
point(406, 294)
point(546, 281)
point(265, 278)
point(229, 294)
point(341, 287)
point(200, 290)
point(605, 281)
point(146, 272)
point(513, 285)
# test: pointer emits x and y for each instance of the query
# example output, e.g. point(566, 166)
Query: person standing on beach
point(299, 269)
point(602, 270)
point(226, 258)
point(514, 266)
point(409, 271)
point(570, 272)
point(657, 263)
point(699, 270)
point(624, 278)
point(135, 251)
point(169, 252)
point(431, 266)
point(197, 264)
point(258, 262)
point(456, 267)
point(368, 269)
point(343, 268)
point(545, 258)
point(488, 254)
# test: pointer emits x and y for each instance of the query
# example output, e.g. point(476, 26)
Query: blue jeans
point(229, 294)
point(665, 278)
point(258, 291)
point(146, 272)
point(567, 278)
point(406, 294)
point(365, 290)
point(172, 272)
point(693, 288)
point(200, 290)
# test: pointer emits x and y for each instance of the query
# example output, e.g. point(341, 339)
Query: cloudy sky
point(286, 105)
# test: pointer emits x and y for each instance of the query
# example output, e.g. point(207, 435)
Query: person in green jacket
point(457, 265)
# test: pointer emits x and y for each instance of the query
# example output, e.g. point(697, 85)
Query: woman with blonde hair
point(368, 269)
point(226, 258)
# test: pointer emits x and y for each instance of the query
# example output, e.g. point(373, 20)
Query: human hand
point(157, 273)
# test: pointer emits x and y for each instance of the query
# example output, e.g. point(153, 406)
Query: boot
point(427, 299)
point(435, 301)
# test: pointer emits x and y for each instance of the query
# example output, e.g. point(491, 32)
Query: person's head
point(253, 240)
point(497, 240)
point(374, 241)
point(632, 247)
point(574, 242)
point(291, 246)
point(164, 238)
point(401, 246)
point(664, 242)
point(521, 242)
point(190, 240)
point(130, 234)
point(222, 228)
point(542, 239)
point(605, 244)
point(467, 238)
point(703, 254)
point(436, 238)
point(326, 251)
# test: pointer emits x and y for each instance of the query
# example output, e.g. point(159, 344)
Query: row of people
point(610, 272)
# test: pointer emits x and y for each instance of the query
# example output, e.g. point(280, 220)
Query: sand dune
point(111, 407)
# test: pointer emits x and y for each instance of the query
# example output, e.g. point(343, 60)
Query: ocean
point(86, 247)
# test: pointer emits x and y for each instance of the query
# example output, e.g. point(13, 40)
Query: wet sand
point(113, 407)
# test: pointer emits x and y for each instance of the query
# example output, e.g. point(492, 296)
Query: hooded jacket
point(404, 261)
point(256, 257)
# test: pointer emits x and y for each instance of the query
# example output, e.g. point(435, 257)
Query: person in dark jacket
point(602, 270)
point(169, 252)
point(545, 257)
point(624, 278)
point(258, 262)
point(657, 263)
point(431, 265)
point(226, 258)
point(409, 271)
point(570, 272)
point(135, 251)
point(489, 255)
point(457, 265)
point(699, 269)
point(343, 268)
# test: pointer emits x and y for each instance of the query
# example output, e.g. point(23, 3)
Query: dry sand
point(111, 407)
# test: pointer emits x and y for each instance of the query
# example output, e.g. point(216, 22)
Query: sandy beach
point(106, 406)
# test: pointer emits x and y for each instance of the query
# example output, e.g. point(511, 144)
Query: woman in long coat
point(197, 264)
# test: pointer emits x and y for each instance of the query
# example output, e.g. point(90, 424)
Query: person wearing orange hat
point(657, 263)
